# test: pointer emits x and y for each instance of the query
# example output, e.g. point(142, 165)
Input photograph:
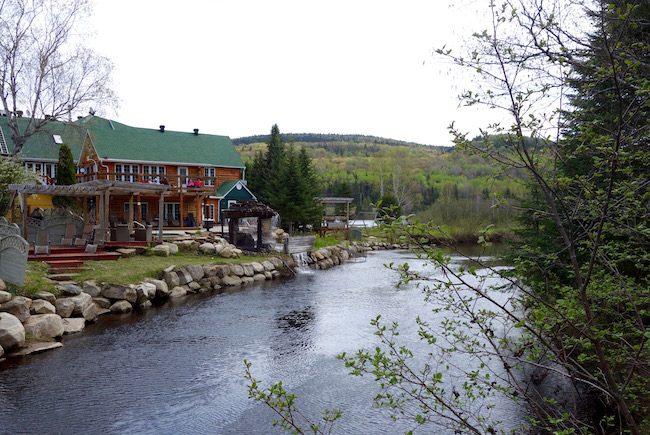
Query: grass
point(330, 240)
point(133, 270)
point(35, 280)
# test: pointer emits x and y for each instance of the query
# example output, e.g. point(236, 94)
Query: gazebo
point(246, 209)
point(332, 221)
point(102, 189)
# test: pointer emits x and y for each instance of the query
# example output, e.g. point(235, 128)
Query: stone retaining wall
point(29, 325)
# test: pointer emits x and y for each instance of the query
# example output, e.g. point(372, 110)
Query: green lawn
point(133, 270)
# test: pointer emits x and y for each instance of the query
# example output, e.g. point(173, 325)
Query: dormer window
point(57, 139)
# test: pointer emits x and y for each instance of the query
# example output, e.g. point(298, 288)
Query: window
point(153, 174)
point(172, 214)
point(57, 139)
point(182, 176)
point(144, 211)
point(210, 173)
point(124, 172)
point(208, 212)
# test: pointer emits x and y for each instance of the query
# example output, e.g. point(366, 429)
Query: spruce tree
point(66, 174)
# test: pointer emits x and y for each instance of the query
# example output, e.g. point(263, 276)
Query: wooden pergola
point(246, 209)
point(103, 189)
point(325, 201)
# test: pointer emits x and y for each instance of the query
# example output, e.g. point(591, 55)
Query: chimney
point(162, 128)
point(79, 117)
point(48, 117)
point(196, 132)
point(19, 113)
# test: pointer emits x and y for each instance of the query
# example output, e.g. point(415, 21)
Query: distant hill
point(315, 138)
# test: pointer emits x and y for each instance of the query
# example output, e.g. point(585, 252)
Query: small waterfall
point(301, 259)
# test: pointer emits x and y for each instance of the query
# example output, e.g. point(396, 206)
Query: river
point(179, 368)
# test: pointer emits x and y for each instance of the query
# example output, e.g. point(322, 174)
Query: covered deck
point(101, 191)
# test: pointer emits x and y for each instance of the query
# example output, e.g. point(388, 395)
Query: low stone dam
point(178, 368)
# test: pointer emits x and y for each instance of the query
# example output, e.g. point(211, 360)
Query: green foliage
point(66, 174)
point(286, 181)
point(436, 183)
point(12, 171)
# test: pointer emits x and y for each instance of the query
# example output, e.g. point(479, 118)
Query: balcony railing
point(178, 183)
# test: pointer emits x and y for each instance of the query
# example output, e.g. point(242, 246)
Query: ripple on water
point(179, 369)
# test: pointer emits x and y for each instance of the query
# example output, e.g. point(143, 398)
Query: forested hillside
point(443, 184)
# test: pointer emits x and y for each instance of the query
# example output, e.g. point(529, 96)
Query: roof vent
point(162, 128)
point(196, 132)
point(57, 139)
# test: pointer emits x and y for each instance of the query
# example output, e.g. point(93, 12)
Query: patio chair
point(70, 231)
point(65, 241)
point(80, 241)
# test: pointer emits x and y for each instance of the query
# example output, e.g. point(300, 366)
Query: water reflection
point(178, 369)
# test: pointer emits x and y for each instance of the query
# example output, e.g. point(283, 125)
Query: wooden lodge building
point(204, 172)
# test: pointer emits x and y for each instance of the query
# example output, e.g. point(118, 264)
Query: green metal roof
point(116, 141)
point(225, 188)
point(41, 145)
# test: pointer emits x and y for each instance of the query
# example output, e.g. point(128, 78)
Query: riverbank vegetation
point(568, 334)
point(449, 186)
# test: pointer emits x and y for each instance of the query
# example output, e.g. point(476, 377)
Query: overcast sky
point(237, 67)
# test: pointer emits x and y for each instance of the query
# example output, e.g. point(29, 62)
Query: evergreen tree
point(66, 174)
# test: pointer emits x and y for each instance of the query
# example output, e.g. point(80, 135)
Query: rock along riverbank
point(37, 324)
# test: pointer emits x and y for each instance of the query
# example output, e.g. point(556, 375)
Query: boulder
point(162, 289)
point(237, 269)
point(194, 286)
point(218, 247)
point(40, 306)
point(12, 331)
point(186, 245)
point(277, 262)
point(237, 252)
point(268, 274)
point(145, 291)
point(4, 296)
point(248, 269)
point(178, 292)
point(91, 288)
point(173, 248)
point(121, 307)
point(69, 289)
point(259, 277)
point(184, 276)
point(72, 326)
point(36, 347)
point(257, 267)
point(120, 292)
point(46, 296)
point(161, 250)
point(231, 280)
point(126, 252)
point(222, 271)
point(44, 326)
point(195, 271)
point(207, 248)
point(64, 307)
point(145, 305)
point(93, 311)
point(205, 283)
point(247, 280)
point(268, 266)
point(171, 278)
point(3, 286)
point(226, 252)
point(2, 352)
point(81, 304)
point(102, 302)
point(18, 306)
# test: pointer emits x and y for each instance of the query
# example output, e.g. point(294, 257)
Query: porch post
point(130, 217)
point(106, 212)
point(161, 209)
point(259, 233)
